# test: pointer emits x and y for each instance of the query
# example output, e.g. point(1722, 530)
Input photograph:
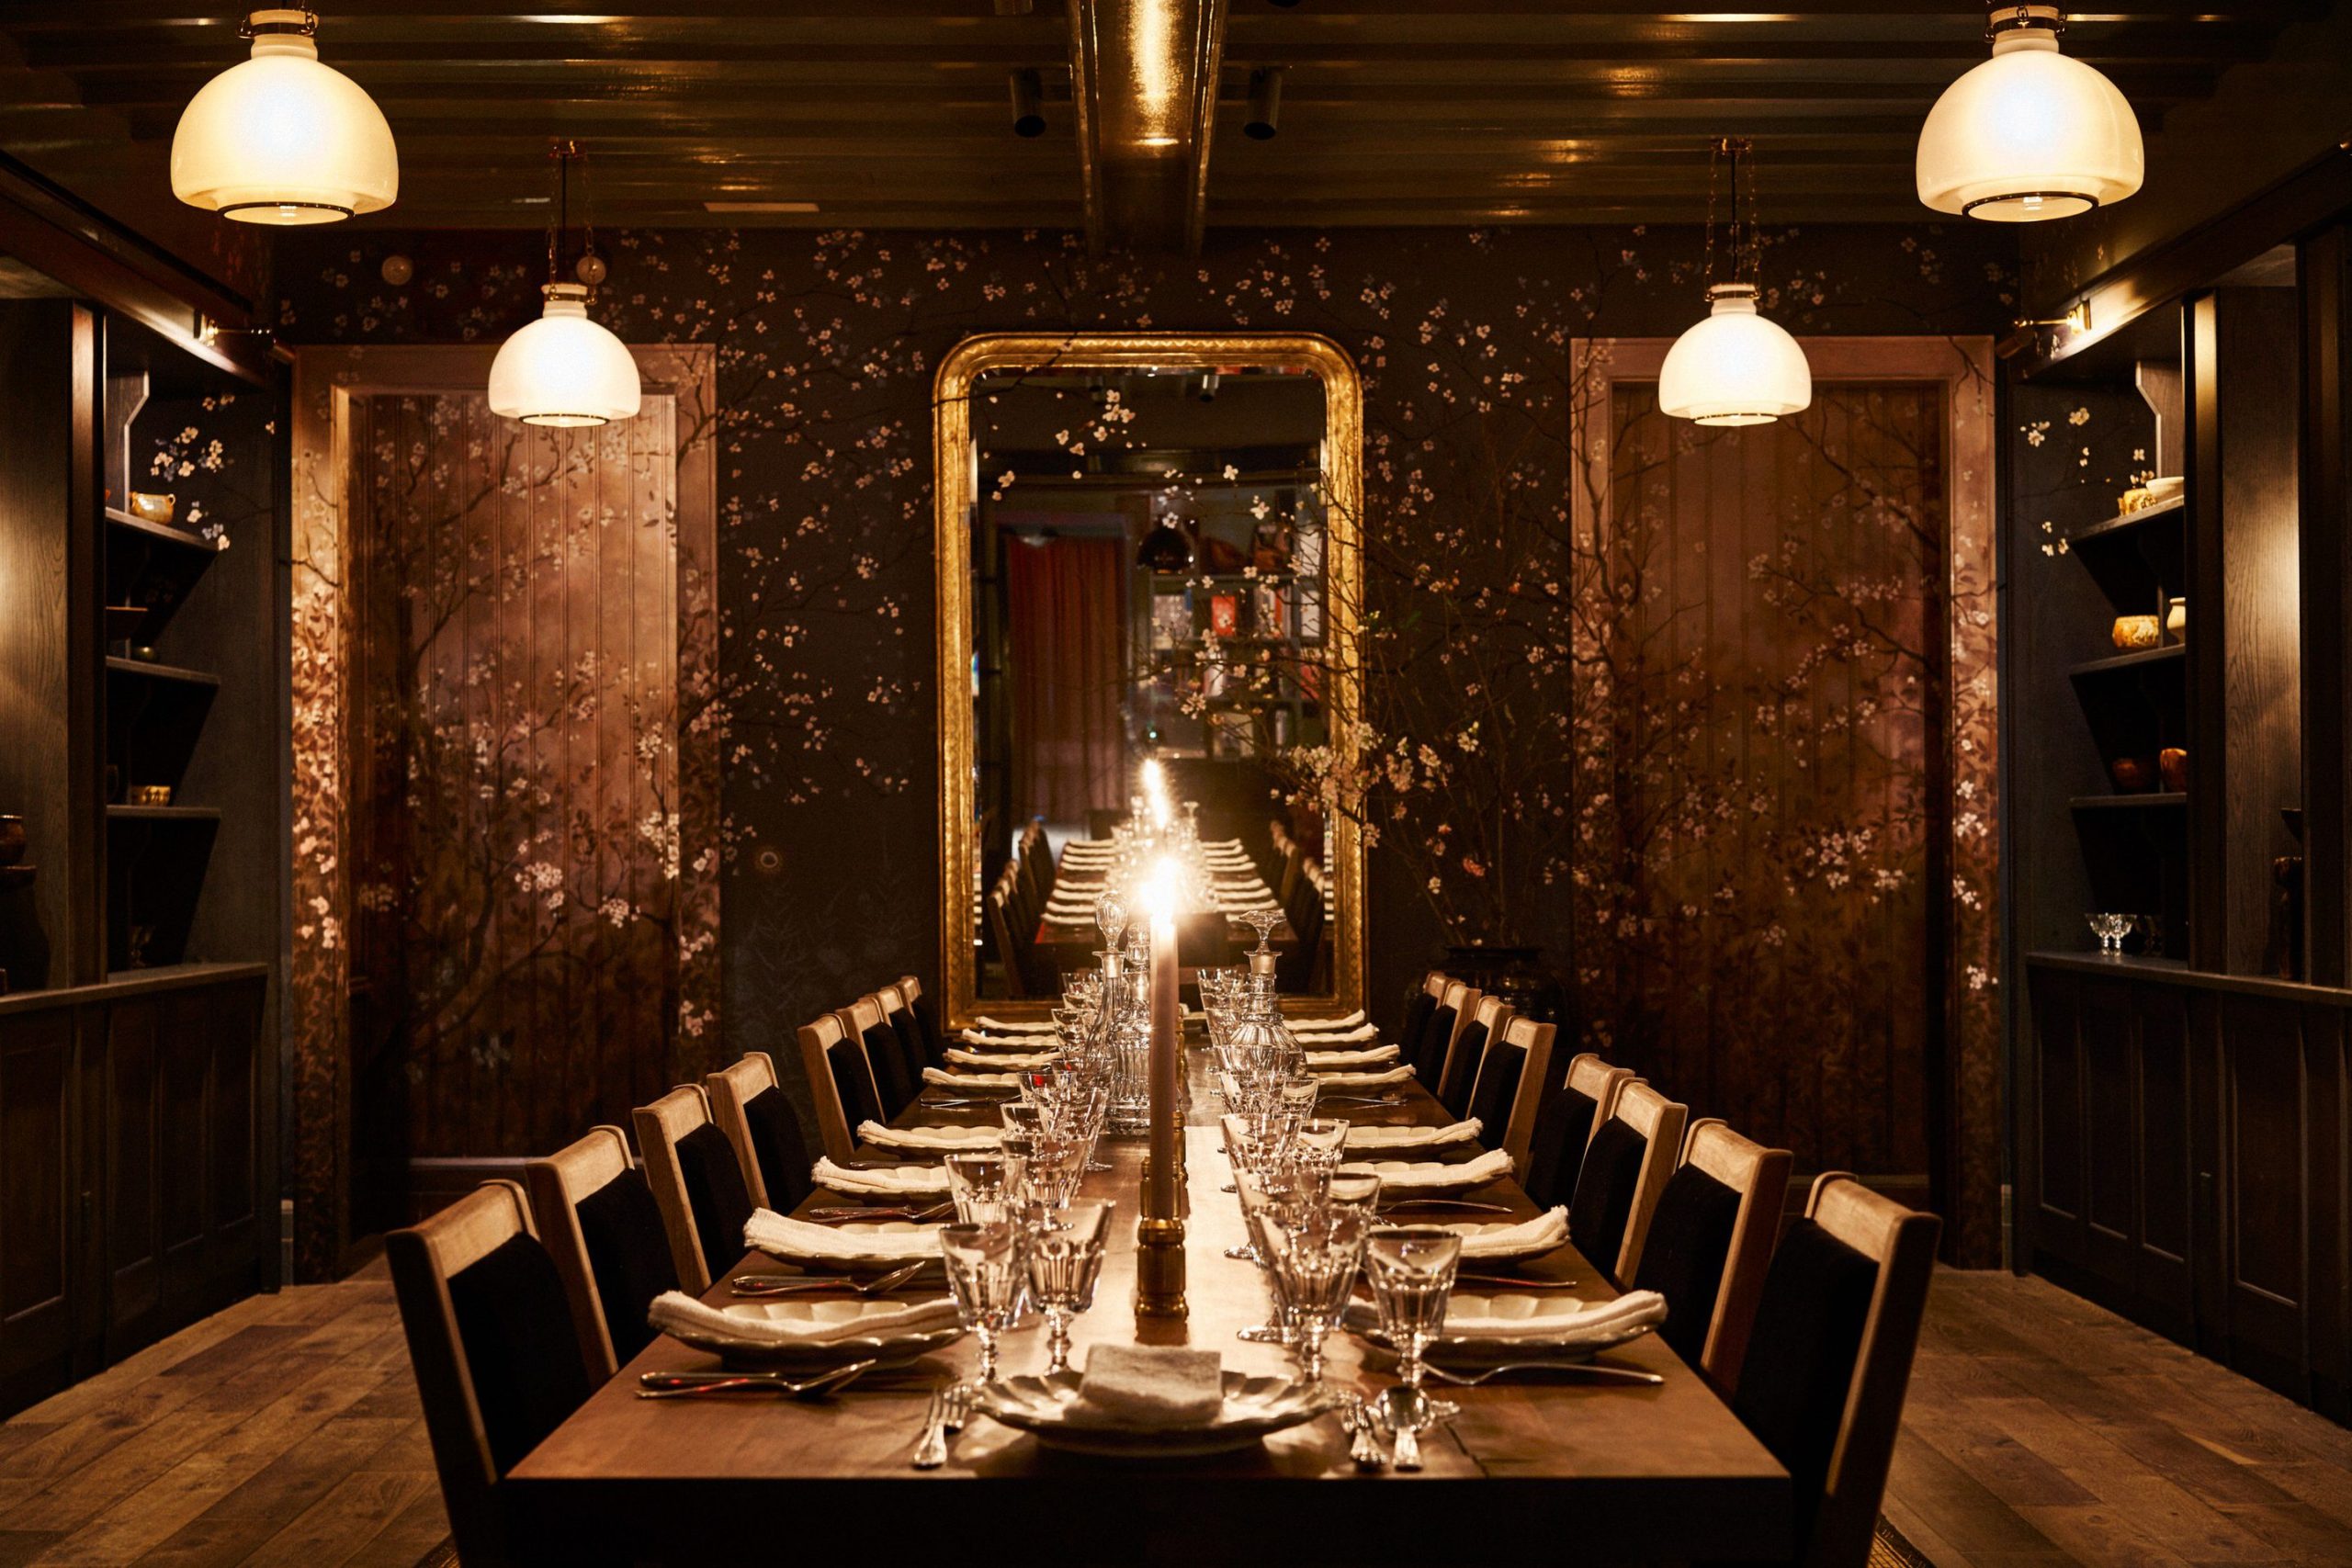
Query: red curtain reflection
point(1067, 599)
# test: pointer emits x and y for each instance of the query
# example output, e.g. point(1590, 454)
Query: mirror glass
point(1153, 625)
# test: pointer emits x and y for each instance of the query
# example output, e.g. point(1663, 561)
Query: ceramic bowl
point(2133, 632)
point(153, 508)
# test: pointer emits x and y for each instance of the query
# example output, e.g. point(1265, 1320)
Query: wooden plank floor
point(2040, 1430)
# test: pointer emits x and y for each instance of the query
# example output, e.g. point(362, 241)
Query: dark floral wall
point(827, 347)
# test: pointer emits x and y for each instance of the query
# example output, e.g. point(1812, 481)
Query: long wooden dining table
point(1569, 1468)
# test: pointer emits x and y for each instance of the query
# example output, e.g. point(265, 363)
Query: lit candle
point(1167, 1043)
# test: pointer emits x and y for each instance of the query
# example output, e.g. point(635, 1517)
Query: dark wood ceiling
point(895, 112)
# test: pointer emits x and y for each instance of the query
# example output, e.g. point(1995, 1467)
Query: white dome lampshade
point(563, 369)
point(1735, 366)
point(281, 138)
point(2029, 135)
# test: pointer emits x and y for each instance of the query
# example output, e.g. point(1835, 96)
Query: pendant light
point(1734, 366)
point(280, 138)
point(563, 369)
point(2029, 135)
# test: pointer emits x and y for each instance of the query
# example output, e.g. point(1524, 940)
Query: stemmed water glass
point(1065, 1256)
point(1319, 1141)
point(1272, 1197)
point(985, 1187)
point(1057, 1166)
point(984, 1273)
point(1313, 1256)
point(1412, 1269)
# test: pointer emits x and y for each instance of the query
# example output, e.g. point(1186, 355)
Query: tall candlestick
point(1159, 1263)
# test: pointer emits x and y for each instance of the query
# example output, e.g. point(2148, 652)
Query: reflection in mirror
point(1151, 617)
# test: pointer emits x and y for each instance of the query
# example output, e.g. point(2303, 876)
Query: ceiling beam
point(1143, 86)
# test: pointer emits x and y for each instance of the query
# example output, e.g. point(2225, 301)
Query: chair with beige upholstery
point(753, 1110)
point(1565, 1124)
point(1507, 1093)
point(1625, 1170)
point(491, 1337)
point(698, 1180)
point(1823, 1382)
point(840, 1082)
point(598, 1220)
point(1710, 1243)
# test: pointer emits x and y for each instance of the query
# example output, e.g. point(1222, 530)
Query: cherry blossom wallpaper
point(827, 344)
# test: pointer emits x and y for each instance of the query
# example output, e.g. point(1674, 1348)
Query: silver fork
point(658, 1385)
point(1581, 1368)
point(951, 1406)
point(786, 1284)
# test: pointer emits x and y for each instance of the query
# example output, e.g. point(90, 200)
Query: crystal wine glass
point(985, 1274)
point(1412, 1269)
point(1065, 1257)
point(984, 1187)
point(1314, 1256)
point(2111, 929)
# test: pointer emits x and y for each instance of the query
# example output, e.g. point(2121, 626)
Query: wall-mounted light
point(1265, 105)
point(280, 139)
point(2077, 319)
point(1028, 117)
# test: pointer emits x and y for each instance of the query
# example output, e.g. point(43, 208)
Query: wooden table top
point(1622, 1471)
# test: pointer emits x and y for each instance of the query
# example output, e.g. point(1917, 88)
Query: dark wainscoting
point(138, 1167)
point(2182, 1160)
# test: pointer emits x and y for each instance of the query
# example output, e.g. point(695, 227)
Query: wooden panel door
point(2267, 1152)
point(41, 1199)
point(515, 822)
point(132, 1117)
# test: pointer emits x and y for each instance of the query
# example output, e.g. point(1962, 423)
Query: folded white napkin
point(1380, 1140)
point(1409, 1175)
point(1366, 1080)
point(1355, 1020)
point(1499, 1315)
point(795, 1322)
point(1149, 1386)
point(1012, 1041)
point(898, 1180)
point(1309, 1035)
point(1323, 1059)
point(784, 1236)
point(970, 1080)
point(1544, 1233)
point(987, 1025)
point(1010, 1061)
point(944, 1140)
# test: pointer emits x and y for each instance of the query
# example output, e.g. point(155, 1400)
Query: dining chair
point(1711, 1242)
point(599, 1222)
point(918, 1025)
point(1625, 1170)
point(1417, 1014)
point(1293, 860)
point(840, 1083)
point(1454, 1004)
point(896, 1080)
point(1302, 909)
point(1836, 1327)
point(1509, 1090)
point(491, 1337)
point(698, 1183)
point(753, 1110)
point(1001, 920)
point(1565, 1124)
point(1468, 1054)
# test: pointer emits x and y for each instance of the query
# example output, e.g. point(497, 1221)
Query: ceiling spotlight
point(1028, 119)
point(1265, 105)
point(281, 138)
point(2029, 135)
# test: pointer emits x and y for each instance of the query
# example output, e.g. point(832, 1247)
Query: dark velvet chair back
point(599, 1222)
point(897, 1080)
point(1417, 1016)
point(1564, 1127)
point(909, 1015)
point(1624, 1174)
point(1710, 1242)
point(698, 1182)
point(751, 1108)
point(1496, 1090)
point(840, 1084)
point(491, 1340)
point(1462, 1063)
point(1823, 1383)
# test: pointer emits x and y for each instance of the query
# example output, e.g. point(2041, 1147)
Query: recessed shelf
point(149, 669)
point(2139, 659)
point(2153, 799)
point(2123, 523)
point(165, 533)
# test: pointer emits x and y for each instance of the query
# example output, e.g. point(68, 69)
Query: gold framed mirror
point(1148, 547)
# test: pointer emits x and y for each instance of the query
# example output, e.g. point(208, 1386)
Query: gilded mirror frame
point(957, 486)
